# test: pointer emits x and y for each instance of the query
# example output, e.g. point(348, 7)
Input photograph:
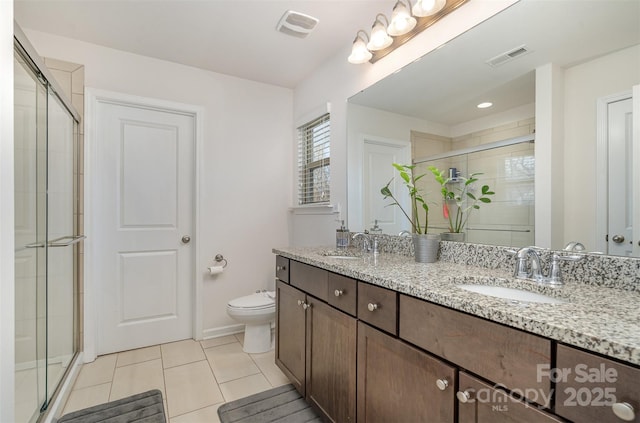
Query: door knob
point(618, 239)
point(186, 239)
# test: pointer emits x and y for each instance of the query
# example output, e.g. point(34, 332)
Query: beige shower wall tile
point(77, 81)
point(61, 65)
point(64, 80)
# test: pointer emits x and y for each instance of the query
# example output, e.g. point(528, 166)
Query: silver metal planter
point(425, 247)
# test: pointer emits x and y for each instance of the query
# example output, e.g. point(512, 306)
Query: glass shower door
point(46, 298)
point(30, 120)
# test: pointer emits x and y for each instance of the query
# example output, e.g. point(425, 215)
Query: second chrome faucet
point(528, 266)
point(369, 242)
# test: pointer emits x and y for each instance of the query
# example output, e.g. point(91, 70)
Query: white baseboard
point(222, 331)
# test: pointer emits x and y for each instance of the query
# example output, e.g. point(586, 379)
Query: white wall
point(7, 297)
point(584, 84)
point(337, 80)
point(247, 156)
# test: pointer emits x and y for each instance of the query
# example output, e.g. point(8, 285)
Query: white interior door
point(620, 156)
point(143, 226)
point(378, 157)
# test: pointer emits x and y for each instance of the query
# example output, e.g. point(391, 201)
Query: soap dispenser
point(342, 236)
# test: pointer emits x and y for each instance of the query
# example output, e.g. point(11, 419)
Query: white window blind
point(313, 161)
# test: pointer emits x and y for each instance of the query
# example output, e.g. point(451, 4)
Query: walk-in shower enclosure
point(46, 235)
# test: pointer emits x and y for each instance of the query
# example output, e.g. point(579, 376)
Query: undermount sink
point(511, 294)
point(343, 255)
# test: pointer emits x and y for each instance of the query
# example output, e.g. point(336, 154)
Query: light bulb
point(379, 38)
point(359, 52)
point(424, 8)
point(401, 20)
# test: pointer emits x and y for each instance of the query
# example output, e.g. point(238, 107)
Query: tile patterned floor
point(195, 377)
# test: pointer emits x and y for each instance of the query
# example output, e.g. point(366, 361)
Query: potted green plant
point(425, 245)
point(457, 191)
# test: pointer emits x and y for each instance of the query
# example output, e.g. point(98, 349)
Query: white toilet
point(256, 311)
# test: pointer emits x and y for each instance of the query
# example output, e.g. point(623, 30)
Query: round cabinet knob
point(463, 396)
point(306, 306)
point(442, 384)
point(372, 307)
point(279, 268)
point(618, 239)
point(624, 411)
point(300, 302)
point(338, 292)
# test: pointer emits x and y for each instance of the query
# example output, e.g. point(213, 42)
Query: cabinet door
point(399, 383)
point(290, 334)
point(594, 388)
point(331, 361)
point(479, 402)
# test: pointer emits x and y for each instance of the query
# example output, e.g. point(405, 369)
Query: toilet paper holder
point(219, 258)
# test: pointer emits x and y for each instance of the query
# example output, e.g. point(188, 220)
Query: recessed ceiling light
point(484, 105)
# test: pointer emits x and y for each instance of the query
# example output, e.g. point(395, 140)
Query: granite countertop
point(600, 319)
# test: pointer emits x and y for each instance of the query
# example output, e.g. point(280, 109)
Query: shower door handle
point(70, 240)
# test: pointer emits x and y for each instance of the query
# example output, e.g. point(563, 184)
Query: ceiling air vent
point(505, 57)
point(296, 24)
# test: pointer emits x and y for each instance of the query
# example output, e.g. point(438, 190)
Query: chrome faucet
point(369, 242)
point(528, 266)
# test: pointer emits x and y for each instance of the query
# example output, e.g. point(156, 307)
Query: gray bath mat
point(146, 407)
point(282, 404)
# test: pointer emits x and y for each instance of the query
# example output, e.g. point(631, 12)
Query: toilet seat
point(256, 301)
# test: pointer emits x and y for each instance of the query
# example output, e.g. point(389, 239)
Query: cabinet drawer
point(311, 280)
point(378, 307)
point(503, 355)
point(282, 268)
point(479, 402)
point(588, 385)
point(343, 293)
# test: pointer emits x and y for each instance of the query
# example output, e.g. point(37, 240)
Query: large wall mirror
point(427, 114)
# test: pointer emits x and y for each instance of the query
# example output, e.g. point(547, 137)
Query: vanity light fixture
point(359, 52)
point(484, 105)
point(387, 35)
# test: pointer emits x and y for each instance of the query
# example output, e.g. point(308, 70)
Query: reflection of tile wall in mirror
point(509, 172)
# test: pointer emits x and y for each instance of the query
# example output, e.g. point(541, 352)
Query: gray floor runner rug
point(282, 404)
point(146, 407)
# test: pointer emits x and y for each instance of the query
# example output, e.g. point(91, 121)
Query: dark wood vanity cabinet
point(358, 351)
point(316, 343)
point(399, 383)
point(479, 402)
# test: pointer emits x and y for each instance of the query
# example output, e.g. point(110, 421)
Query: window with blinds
point(313, 161)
